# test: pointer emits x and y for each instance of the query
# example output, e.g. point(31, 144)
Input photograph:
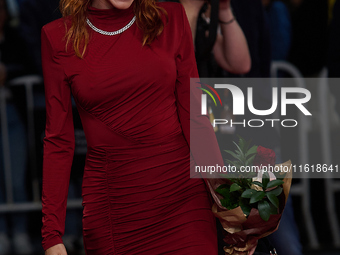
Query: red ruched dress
point(133, 101)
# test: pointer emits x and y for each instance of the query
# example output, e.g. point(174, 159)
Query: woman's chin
point(121, 4)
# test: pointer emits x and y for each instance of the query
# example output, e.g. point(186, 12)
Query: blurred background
point(288, 38)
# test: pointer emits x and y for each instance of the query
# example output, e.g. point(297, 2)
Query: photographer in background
point(230, 48)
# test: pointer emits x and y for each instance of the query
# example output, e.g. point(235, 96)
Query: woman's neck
point(102, 4)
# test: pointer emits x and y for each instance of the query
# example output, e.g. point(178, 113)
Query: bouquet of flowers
point(249, 204)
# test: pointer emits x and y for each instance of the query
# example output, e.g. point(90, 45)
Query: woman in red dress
point(128, 66)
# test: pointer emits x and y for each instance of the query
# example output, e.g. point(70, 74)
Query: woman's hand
point(225, 13)
point(231, 49)
point(58, 249)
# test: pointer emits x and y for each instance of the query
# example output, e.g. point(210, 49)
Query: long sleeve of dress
point(197, 129)
point(58, 144)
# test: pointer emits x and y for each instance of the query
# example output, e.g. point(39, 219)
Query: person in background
point(12, 56)
point(230, 49)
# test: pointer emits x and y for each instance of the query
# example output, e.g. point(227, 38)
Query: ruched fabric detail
point(134, 104)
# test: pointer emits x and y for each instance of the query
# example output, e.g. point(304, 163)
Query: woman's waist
point(114, 137)
point(112, 130)
point(112, 150)
point(143, 163)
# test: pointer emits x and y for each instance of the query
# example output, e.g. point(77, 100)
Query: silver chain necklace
point(110, 33)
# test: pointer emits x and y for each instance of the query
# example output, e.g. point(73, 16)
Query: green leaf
point(235, 187)
point(275, 192)
point(224, 203)
point(237, 156)
point(280, 175)
point(249, 176)
point(248, 193)
point(251, 151)
point(248, 144)
point(273, 209)
point(232, 206)
point(242, 144)
point(231, 180)
point(238, 164)
point(258, 183)
point(265, 179)
point(241, 152)
point(274, 183)
point(250, 160)
point(264, 210)
point(223, 186)
point(273, 199)
point(257, 196)
point(224, 176)
point(223, 191)
point(246, 209)
point(230, 162)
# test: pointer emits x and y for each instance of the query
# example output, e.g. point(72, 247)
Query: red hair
point(148, 18)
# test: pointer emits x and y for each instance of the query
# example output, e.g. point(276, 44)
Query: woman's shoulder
point(174, 10)
point(55, 31)
point(172, 7)
point(175, 13)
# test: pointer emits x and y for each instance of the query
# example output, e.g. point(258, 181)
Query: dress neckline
point(110, 19)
